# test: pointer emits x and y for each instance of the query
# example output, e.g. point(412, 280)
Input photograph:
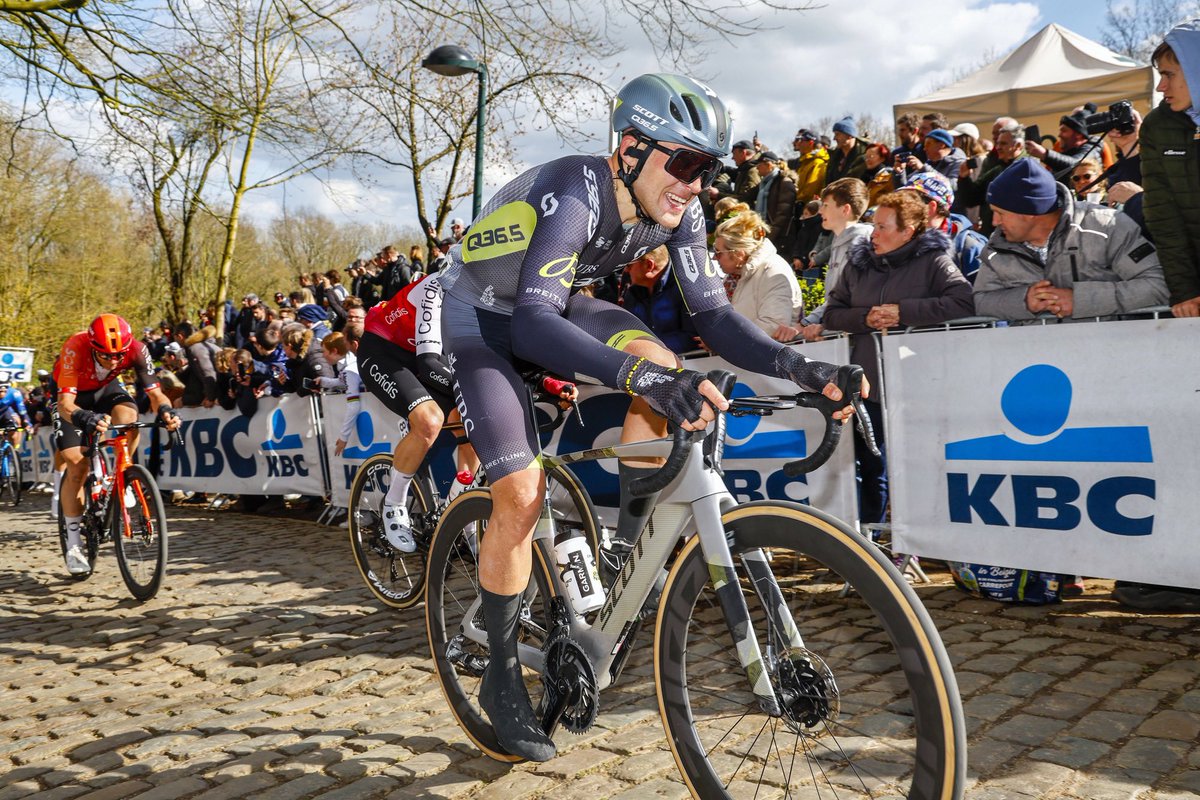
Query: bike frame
point(696, 498)
point(120, 447)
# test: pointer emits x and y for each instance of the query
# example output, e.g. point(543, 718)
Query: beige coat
point(767, 291)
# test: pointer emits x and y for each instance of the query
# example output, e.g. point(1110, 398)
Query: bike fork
point(723, 574)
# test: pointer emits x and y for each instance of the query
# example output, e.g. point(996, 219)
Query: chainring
point(569, 678)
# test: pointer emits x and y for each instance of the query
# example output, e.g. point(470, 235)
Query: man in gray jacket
point(1052, 253)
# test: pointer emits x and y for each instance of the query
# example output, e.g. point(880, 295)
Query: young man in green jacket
point(1171, 167)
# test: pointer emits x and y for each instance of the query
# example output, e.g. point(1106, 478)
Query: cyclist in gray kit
point(511, 293)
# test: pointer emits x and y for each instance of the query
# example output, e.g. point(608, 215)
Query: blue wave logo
point(364, 430)
point(280, 438)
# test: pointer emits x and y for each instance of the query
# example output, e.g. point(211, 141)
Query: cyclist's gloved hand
point(86, 421)
point(806, 373)
point(673, 393)
point(168, 419)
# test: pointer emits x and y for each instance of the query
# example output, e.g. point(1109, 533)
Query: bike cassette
point(809, 691)
point(571, 696)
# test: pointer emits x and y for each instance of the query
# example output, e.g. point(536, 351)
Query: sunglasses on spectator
point(1081, 178)
point(688, 165)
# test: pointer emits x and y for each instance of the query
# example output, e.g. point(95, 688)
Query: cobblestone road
point(262, 670)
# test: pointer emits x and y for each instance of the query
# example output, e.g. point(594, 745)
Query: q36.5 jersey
point(556, 228)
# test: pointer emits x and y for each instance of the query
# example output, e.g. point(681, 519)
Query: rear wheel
point(870, 705)
point(138, 526)
point(397, 579)
point(453, 618)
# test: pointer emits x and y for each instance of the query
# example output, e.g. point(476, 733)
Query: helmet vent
point(693, 112)
point(675, 112)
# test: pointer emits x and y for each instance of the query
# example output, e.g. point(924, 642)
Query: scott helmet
point(109, 334)
point(674, 108)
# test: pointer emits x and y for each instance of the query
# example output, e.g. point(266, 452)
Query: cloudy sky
point(859, 56)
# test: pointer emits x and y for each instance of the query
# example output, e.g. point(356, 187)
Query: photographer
point(1073, 139)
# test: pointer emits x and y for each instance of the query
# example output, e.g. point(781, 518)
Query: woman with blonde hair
point(767, 291)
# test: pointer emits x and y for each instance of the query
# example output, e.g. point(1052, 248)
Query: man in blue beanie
point(1052, 254)
point(846, 160)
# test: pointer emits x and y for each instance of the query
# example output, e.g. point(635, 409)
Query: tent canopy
point(1052, 73)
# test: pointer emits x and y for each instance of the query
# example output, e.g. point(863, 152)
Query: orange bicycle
point(124, 502)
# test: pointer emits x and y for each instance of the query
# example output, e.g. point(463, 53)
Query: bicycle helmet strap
point(630, 174)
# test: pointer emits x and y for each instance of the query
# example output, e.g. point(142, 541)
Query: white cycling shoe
point(397, 529)
point(77, 563)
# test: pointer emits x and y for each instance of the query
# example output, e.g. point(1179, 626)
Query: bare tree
point(1135, 27)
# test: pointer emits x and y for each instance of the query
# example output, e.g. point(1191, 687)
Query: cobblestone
point(266, 672)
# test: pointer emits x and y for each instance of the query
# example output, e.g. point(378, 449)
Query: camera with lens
point(1119, 117)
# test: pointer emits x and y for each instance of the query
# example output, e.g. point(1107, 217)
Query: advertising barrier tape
point(274, 452)
point(1069, 448)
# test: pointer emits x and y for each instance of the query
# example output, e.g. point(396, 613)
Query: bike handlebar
point(849, 379)
point(680, 445)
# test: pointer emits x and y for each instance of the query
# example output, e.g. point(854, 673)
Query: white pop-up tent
point(1052, 73)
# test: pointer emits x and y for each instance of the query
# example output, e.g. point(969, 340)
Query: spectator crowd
point(937, 223)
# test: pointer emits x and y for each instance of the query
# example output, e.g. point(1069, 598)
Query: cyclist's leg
point(493, 400)
point(618, 328)
point(386, 374)
point(68, 443)
point(113, 400)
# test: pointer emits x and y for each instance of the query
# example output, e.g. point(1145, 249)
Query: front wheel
point(396, 578)
point(138, 526)
point(10, 475)
point(870, 707)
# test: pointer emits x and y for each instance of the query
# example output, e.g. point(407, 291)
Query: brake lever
point(864, 423)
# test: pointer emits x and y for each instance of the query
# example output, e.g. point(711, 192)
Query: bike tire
point(12, 475)
point(396, 579)
point(139, 533)
point(91, 542)
point(899, 730)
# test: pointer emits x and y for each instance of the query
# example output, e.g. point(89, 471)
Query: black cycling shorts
point(102, 401)
point(388, 372)
point(488, 384)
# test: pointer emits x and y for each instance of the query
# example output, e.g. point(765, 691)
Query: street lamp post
point(450, 59)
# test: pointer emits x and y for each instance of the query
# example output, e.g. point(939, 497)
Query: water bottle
point(461, 481)
point(577, 566)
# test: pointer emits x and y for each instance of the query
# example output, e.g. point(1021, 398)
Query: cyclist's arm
point(540, 332)
point(19, 405)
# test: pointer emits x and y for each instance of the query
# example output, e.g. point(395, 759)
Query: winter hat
point(1026, 187)
point(941, 135)
point(312, 313)
point(933, 186)
point(846, 125)
point(743, 144)
point(768, 155)
point(1076, 121)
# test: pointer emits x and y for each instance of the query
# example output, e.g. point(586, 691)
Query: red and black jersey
point(77, 370)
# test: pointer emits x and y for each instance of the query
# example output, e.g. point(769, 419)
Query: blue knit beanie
point(846, 125)
point(1026, 187)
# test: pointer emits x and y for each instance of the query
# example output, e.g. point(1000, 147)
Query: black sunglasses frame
point(707, 171)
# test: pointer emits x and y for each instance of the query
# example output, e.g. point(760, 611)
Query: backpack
point(968, 245)
point(1007, 585)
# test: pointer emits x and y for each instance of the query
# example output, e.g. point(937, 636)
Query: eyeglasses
point(688, 165)
point(1081, 178)
point(108, 356)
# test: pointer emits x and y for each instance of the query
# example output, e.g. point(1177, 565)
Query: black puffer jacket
point(920, 277)
point(1171, 179)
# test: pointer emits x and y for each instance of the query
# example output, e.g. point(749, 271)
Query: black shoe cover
point(502, 692)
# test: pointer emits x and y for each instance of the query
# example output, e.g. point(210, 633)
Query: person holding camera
point(1073, 141)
